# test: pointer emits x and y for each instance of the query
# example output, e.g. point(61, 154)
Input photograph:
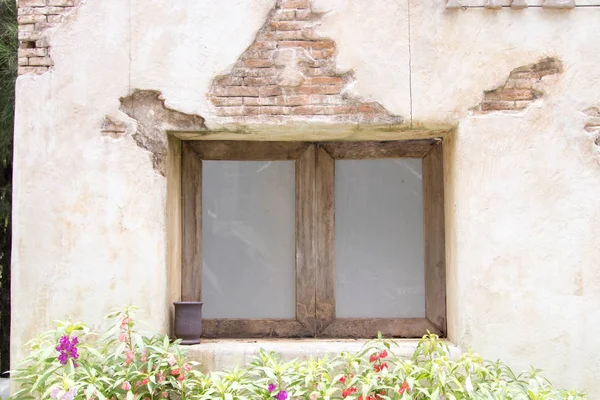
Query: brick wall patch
point(35, 17)
point(154, 119)
point(289, 73)
point(521, 88)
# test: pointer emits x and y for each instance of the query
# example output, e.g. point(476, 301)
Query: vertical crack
point(130, 45)
point(410, 67)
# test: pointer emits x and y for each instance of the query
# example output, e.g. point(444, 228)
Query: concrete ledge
point(223, 354)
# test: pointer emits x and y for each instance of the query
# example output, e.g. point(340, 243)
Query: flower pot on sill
point(188, 321)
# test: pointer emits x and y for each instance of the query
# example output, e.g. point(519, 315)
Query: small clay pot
point(188, 321)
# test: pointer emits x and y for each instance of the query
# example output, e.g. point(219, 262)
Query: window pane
point(248, 239)
point(379, 239)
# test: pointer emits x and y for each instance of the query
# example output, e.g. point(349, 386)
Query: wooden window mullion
point(325, 230)
point(191, 201)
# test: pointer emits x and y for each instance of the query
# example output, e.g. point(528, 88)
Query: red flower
point(383, 354)
point(404, 388)
point(175, 372)
point(349, 391)
point(145, 381)
point(180, 378)
point(343, 379)
point(374, 357)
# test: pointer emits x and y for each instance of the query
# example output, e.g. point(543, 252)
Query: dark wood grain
point(254, 328)
point(372, 150)
point(370, 327)
point(435, 243)
point(325, 235)
point(305, 239)
point(191, 266)
point(247, 150)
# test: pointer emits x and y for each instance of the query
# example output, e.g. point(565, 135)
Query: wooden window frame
point(314, 230)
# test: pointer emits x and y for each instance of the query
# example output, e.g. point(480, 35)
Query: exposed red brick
point(228, 101)
point(255, 63)
point(289, 35)
point(35, 17)
point(259, 81)
point(229, 80)
point(326, 53)
point(285, 15)
point(267, 110)
point(254, 72)
point(518, 92)
point(264, 45)
point(371, 108)
point(265, 101)
point(324, 89)
point(323, 44)
point(237, 91)
point(287, 4)
point(302, 83)
point(295, 43)
point(304, 15)
point(287, 25)
point(325, 80)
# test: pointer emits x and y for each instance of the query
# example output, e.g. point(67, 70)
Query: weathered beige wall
point(523, 220)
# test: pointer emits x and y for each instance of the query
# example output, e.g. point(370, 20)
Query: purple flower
point(67, 348)
point(271, 387)
point(282, 395)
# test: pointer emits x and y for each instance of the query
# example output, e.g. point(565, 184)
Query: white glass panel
point(379, 256)
point(248, 245)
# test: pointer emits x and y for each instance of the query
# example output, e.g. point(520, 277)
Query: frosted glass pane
point(379, 256)
point(248, 245)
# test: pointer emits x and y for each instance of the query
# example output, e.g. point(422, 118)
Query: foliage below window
point(72, 363)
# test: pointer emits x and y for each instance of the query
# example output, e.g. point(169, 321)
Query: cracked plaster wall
point(522, 188)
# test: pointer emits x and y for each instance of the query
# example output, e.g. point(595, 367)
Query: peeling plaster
point(154, 120)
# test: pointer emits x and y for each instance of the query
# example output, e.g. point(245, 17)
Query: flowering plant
point(122, 364)
point(71, 363)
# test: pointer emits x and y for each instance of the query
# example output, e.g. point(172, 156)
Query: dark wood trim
point(370, 327)
point(435, 245)
point(371, 150)
point(305, 239)
point(315, 230)
point(247, 150)
point(191, 199)
point(254, 328)
point(325, 235)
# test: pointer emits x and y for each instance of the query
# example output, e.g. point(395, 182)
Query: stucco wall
point(523, 222)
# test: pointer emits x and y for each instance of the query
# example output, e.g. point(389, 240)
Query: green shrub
point(72, 363)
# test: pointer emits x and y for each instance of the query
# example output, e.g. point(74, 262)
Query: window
point(299, 239)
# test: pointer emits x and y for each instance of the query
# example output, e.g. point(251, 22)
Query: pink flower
point(144, 358)
point(129, 357)
point(164, 395)
point(404, 388)
point(126, 386)
point(122, 338)
point(187, 367)
point(171, 359)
